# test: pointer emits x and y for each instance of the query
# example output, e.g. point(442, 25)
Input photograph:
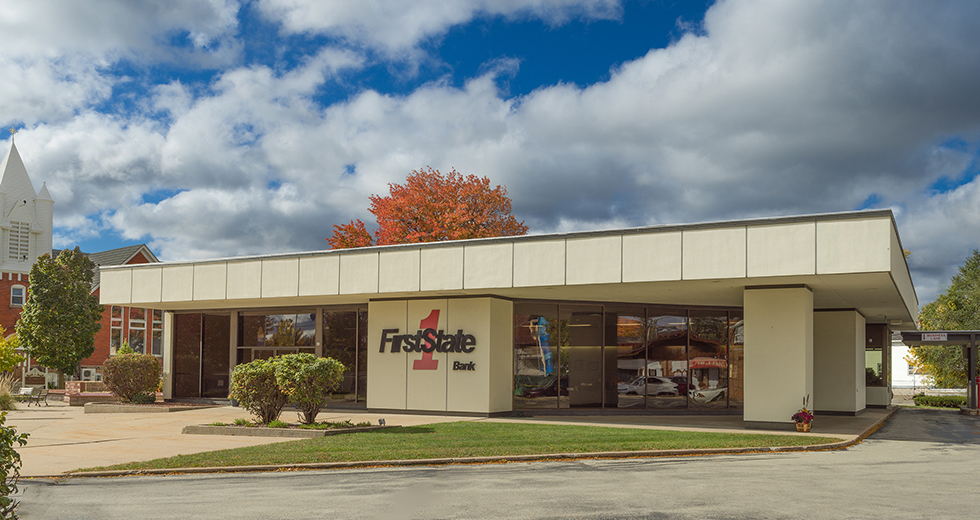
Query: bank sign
point(428, 340)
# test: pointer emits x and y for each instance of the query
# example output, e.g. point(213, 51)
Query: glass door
point(580, 356)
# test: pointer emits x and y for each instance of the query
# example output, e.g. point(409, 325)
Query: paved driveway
point(930, 475)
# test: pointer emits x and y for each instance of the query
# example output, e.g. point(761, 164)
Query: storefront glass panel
point(340, 343)
point(536, 367)
point(187, 355)
point(580, 356)
point(736, 360)
point(214, 355)
point(625, 356)
point(666, 382)
point(708, 360)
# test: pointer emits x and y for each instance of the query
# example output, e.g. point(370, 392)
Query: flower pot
point(803, 426)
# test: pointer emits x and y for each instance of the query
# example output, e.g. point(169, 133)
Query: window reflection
point(708, 359)
point(536, 365)
point(666, 382)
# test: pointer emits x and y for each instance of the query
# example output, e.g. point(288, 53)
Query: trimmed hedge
point(939, 401)
point(130, 375)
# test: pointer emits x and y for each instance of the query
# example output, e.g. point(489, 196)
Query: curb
point(477, 460)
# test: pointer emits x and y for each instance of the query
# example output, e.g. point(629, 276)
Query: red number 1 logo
point(427, 363)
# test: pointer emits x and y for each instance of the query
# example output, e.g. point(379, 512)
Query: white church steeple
point(27, 218)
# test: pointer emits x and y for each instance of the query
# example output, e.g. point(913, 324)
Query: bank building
point(743, 317)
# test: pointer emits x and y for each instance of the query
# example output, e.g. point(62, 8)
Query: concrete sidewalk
point(64, 438)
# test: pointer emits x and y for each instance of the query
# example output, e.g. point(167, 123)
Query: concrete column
point(838, 362)
point(168, 355)
point(778, 354)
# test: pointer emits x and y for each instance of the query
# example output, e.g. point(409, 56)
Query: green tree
point(956, 309)
point(9, 358)
point(59, 320)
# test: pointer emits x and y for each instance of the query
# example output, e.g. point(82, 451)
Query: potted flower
point(804, 417)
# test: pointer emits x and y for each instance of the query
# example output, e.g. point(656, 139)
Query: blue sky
point(221, 128)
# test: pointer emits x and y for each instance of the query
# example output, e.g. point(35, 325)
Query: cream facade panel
point(652, 257)
point(147, 285)
point(386, 378)
point(714, 253)
point(488, 266)
point(319, 275)
point(501, 356)
point(427, 370)
point(442, 269)
point(244, 279)
point(838, 361)
point(782, 249)
point(116, 287)
point(398, 271)
point(469, 390)
point(902, 278)
point(280, 277)
point(359, 273)
point(854, 246)
point(178, 283)
point(778, 363)
point(539, 263)
point(594, 260)
point(210, 281)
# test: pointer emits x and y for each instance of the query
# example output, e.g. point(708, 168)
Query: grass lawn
point(469, 439)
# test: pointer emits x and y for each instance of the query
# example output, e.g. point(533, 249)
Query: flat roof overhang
point(850, 261)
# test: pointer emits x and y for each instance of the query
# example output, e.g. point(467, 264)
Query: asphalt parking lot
point(920, 465)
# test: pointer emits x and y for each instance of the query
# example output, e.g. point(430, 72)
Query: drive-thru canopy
point(960, 338)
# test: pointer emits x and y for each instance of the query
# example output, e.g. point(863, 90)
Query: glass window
point(116, 329)
point(340, 342)
point(137, 330)
point(580, 356)
point(277, 330)
point(708, 359)
point(156, 345)
point(736, 360)
point(536, 364)
point(17, 296)
point(625, 356)
point(666, 339)
point(874, 355)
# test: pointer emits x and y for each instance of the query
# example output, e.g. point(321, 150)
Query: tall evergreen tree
point(59, 320)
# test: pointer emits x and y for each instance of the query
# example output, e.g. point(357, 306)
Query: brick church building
point(26, 232)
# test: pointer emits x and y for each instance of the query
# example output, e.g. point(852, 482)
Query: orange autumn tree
point(432, 207)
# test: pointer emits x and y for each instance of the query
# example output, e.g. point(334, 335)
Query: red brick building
point(26, 232)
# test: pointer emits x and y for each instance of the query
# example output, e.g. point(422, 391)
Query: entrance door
point(187, 355)
point(581, 355)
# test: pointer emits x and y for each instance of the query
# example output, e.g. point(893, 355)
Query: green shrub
point(143, 399)
point(241, 421)
point(254, 386)
point(939, 401)
point(129, 375)
point(7, 398)
point(9, 467)
point(217, 424)
point(278, 424)
point(307, 381)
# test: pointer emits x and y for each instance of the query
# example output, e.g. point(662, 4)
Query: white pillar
point(778, 354)
point(838, 362)
point(168, 355)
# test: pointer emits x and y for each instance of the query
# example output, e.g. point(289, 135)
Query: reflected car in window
point(708, 395)
point(654, 386)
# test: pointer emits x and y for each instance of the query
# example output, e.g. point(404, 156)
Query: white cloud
point(56, 57)
point(397, 27)
point(772, 108)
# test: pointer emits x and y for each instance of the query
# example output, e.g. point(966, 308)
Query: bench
point(38, 396)
point(24, 394)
